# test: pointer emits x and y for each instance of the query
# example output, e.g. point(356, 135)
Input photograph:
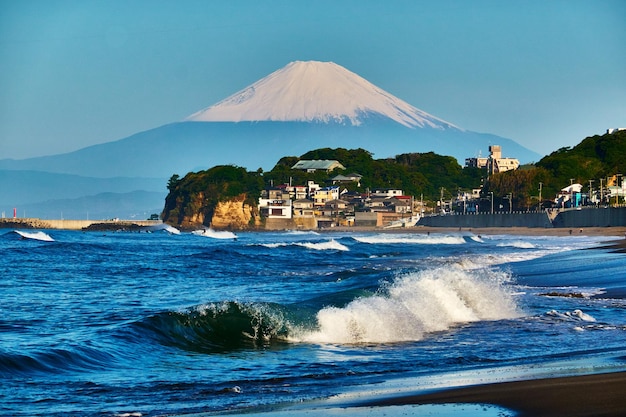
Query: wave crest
point(44, 237)
point(417, 304)
point(222, 326)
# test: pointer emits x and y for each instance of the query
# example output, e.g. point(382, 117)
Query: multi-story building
point(494, 163)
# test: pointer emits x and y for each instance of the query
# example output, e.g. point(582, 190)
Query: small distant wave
point(302, 232)
point(35, 236)
point(417, 304)
point(163, 226)
point(326, 245)
point(54, 361)
point(412, 239)
point(215, 234)
point(517, 244)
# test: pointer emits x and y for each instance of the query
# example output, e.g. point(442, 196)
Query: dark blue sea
point(152, 324)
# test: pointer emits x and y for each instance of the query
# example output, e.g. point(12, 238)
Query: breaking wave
point(417, 304)
point(215, 234)
point(407, 309)
point(35, 236)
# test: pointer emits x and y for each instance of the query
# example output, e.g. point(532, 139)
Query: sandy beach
point(577, 396)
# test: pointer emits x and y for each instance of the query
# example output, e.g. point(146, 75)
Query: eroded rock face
point(235, 214)
point(198, 211)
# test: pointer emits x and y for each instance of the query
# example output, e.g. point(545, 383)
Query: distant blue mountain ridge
point(178, 148)
point(144, 161)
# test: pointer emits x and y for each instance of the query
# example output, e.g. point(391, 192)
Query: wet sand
point(576, 396)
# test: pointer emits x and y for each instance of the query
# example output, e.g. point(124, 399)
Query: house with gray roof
point(317, 164)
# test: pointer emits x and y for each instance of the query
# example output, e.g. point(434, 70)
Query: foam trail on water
point(417, 304)
point(327, 245)
point(411, 239)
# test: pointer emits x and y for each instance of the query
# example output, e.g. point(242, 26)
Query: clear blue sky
point(75, 73)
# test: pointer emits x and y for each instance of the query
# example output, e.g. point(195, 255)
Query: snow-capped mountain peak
point(315, 91)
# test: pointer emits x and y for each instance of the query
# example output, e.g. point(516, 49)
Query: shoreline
point(610, 231)
point(99, 225)
point(589, 395)
point(573, 396)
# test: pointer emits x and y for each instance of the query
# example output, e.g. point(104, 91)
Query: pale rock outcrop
point(235, 214)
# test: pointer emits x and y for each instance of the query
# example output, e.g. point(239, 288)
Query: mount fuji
point(298, 108)
point(315, 92)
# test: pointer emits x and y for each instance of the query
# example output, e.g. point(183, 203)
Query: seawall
point(565, 218)
point(34, 223)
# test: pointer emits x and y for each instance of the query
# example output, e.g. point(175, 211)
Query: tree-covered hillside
point(414, 173)
point(595, 158)
point(417, 174)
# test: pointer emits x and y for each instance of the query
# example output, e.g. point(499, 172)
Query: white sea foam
point(416, 304)
point(35, 236)
point(411, 239)
point(576, 315)
point(215, 234)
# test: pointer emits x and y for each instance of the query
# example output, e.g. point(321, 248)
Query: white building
point(277, 205)
point(495, 162)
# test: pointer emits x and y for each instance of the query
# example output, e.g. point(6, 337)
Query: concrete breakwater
point(557, 218)
point(35, 223)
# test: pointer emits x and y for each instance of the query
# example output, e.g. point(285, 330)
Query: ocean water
point(152, 324)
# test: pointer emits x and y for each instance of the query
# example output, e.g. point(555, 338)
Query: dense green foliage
point(596, 157)
point(414, 173)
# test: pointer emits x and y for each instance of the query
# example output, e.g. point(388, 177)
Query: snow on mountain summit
point(315, 91)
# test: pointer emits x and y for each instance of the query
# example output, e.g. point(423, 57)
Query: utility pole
point(491, 192)
point(590, 190)
point(601, 191)
point(540, 187)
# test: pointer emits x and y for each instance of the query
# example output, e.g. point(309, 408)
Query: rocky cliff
point(196, 211)
point(235, 214)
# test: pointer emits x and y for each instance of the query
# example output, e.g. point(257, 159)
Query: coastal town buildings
point(333, 205)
